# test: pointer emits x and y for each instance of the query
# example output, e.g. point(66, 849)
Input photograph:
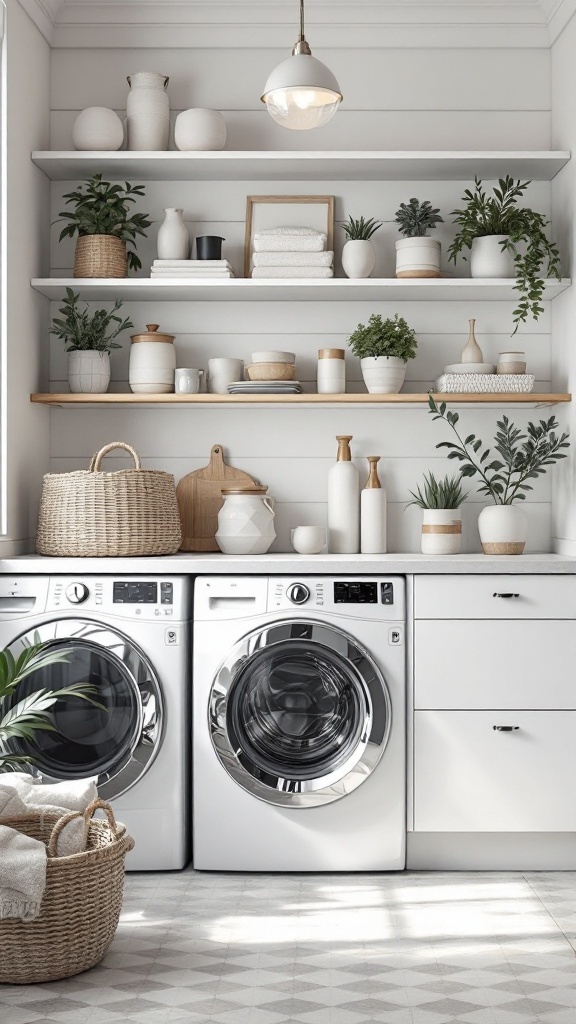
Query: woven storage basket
point(90, 514)
point(81, 903)
point(100, 256)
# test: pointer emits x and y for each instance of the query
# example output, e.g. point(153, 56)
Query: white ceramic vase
point(148, 112)
point(441, 531)
point(503, 530)
point(418, 257)
point(343, 502)
point(97, 128)
point(88, 372)
point(173, 238)
point(246, 522)
point(200, 129)
point(487, 259)
point(358, 258)
point(383, 375)
point(373, 512)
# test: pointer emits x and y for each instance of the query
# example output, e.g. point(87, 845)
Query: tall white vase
point(358, 258)
point(148, 111)
point(373, 513)
point(173, 237)
point(343, 502)
point(488, 259)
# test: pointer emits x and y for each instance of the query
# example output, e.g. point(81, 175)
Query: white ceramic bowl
point(151, 389)
point(470, 368)
point(273, 357)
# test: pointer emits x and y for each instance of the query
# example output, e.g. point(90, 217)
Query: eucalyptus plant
point(101, 208)
point(384, 338)
point(83, 332)
point(417, 219)
point(360, 230)
point(446, 493)
point(520, 457)
point(526, 239)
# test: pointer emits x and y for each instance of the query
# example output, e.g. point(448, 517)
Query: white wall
point(26, 437)
point(413, 99)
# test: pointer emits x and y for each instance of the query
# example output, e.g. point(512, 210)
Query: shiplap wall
point(412, 99)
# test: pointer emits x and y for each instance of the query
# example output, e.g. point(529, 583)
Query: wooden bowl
point(271, 371)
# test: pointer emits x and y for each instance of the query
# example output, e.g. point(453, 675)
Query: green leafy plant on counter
point(83, 332)
point(417, 219)
point(101, 208)
point(446, 493)
point(360, 230)
point(520, 457)
point(384, 338)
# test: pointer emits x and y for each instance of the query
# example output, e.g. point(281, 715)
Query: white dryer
point(129, 637)
point(299, 724)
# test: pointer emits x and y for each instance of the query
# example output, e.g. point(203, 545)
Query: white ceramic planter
point(358, 258)
point(200, 129)
point(503, 529)
point(418, 257)
point(441, 531)
point(246, 523)
point(487, 259)
point(88, 372)
point(97, 128)
point(383, 375)
point(148, 112)
point(173, 241)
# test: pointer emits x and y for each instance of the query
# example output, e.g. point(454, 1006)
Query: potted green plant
point(440, 501)
point(384, 347)
point(89, 339)
point(358, 256)
point(503, 476)
point(105, 230)
point(506, 240)
point(417, 255)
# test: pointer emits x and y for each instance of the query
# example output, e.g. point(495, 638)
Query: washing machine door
point(299, 714)
point(116, 741)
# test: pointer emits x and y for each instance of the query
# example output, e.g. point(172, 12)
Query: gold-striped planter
point(441, 531)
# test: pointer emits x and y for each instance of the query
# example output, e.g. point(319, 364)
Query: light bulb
point(301, 109)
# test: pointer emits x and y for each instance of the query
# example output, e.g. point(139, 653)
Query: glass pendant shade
point(302, 93)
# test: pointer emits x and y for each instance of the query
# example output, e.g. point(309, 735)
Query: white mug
point(222, 372)
point(308, 540)
point(187, 381)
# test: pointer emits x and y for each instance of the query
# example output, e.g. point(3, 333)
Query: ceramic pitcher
point(148, 111)
point(245, 521)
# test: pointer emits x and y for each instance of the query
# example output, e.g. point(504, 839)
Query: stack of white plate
point(265, 387)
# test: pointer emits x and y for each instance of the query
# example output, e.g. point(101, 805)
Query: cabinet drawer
point(495, 597)
point(470, 778)
point(462, 665)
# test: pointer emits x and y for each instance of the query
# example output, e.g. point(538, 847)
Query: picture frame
point(310, 211)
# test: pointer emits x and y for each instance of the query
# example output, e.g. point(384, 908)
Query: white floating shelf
point(298, 166)
point(134, 289)
point(406, 401)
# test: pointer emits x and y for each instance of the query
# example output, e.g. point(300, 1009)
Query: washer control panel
point(126, 597)
point(350, 597)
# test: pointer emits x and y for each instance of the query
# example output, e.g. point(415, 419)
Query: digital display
point(356, 593)
point(135, 593)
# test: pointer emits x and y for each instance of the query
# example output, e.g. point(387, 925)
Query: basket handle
point(96, 460)
point(87, 815)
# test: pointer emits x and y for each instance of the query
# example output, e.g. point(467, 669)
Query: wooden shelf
point(298, 166)
point(531, 400)
point(134, 289)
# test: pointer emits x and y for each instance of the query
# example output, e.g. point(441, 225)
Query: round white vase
point(200, 129)
point(358, 258)
point(503, 530)
point(488, 259)
point(97, 128)
point(245, 522)
point(383, 375)
point(441, 531)
point(418, 257)
point(88, 372)
point(173, 237)
point(148, 112)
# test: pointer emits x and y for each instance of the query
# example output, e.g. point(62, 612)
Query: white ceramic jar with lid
point(331, 371)
point(511, 362)
point(245, 521)
point(152, 362)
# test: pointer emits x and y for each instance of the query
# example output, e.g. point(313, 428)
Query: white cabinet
point(495, 597)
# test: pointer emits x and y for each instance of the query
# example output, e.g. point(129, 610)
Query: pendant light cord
point(301, 20)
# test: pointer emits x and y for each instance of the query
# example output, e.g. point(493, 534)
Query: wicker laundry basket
point(91, 514)
point(81, 904)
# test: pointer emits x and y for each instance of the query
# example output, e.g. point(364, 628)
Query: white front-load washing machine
point(129, 637)
point(299, 724)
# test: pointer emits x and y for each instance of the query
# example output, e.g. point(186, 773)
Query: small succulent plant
point(416, 218)
point(446, 493)
point(361, 230)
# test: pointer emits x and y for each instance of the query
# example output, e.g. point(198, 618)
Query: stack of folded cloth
point(291, 252)
point(200, 269)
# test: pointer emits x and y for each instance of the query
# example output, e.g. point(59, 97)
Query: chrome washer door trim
point(372, 693)
point(146, 737)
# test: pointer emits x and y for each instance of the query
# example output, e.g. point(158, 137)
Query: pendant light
point(302, 93)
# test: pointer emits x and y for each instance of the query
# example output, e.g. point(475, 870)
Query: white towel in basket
point(19, 794)
point(22, 874)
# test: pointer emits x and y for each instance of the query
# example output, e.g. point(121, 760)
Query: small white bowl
point(470, 368)
point(273, 357)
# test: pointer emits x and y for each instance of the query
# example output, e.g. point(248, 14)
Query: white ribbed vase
point(148, 111)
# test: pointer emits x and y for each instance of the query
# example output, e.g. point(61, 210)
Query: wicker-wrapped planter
point(100, 256)
point(81, 903)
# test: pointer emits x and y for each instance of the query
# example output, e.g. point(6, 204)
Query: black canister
point(209, 247)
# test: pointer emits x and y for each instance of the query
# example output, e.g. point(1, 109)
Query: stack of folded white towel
point(200, 269)
point(291, 252)
point(23, 859)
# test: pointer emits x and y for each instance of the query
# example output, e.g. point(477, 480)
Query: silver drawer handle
point(505, 595)
point(505, 728)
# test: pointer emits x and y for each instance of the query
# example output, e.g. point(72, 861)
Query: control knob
point(77, 593)
point(298, 593)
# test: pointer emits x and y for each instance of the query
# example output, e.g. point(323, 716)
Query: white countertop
point(289, 564)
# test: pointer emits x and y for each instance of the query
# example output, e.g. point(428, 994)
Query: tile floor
point(413, 948)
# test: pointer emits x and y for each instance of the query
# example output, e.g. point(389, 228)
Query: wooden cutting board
point(200, 499)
